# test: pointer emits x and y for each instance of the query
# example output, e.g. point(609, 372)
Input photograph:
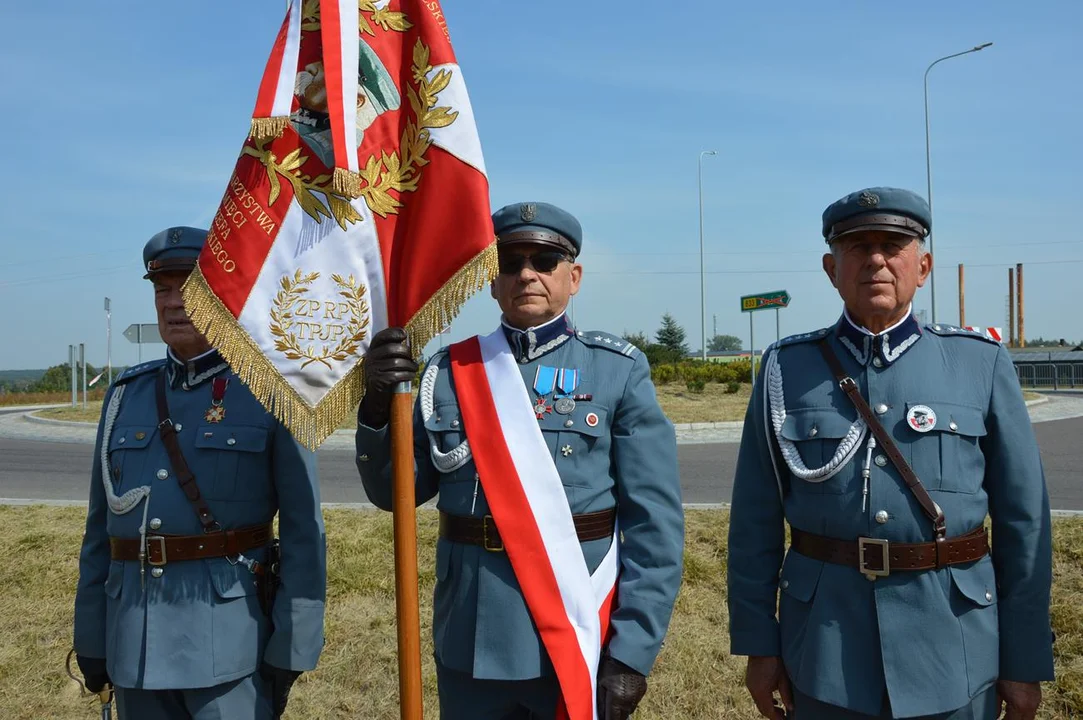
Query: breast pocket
point(445, 430)
point(948, 455)
point(127, 450)
point(233, 461)
point(579, 440)
point(817, 433)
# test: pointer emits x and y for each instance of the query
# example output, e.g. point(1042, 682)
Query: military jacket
point(615, 448)
point(198, 623)
point(931, 640)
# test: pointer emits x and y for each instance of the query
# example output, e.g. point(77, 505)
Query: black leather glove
point(620, 688)
point(280, 682)
point(95, 676)
point(388, 363)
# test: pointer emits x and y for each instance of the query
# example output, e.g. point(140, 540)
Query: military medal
point(921, 418)
point(564, 406)
point(217, 412)
point(567, 380)
point(545, 379)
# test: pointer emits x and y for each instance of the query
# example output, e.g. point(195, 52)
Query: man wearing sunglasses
point(575, 419)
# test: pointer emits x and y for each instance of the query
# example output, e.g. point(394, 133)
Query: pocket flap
point(954, 418)
point(231, 581)
point(130, 436)
point(977, 582)
point(800, 576)
point(586, 419)
point(115, 580)
point(815, 424)
point(231, 437)
point(444, 418)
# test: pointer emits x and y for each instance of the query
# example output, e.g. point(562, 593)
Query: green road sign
point(765, 301)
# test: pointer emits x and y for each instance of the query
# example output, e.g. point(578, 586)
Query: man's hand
point(763, 677)
point(620, 688)
point(280, 682)
point(388, 363)
point(1020, 700)
point(95, 676)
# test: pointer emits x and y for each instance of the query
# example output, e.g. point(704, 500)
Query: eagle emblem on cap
point(528, 211)
point(174, 236)
point(868, 199)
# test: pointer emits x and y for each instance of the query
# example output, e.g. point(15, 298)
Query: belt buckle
point(161, 540)
point(486, 523)
point(870, 573)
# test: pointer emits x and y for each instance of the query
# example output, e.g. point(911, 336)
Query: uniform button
point(363, 458)
point(163, 474)
point(953, 425)
point(784, 584)
point(881, 516)
point(877, 362)
point(231, 441)
point(121, 441)
point(156, 572)
point(454, 423)
point(881, 409)
point(155, 523)
point(178, 427)
point(569, 423)
point(988, 596)
point(813, 431)
point(880, 461)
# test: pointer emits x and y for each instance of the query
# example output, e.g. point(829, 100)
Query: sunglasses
point(543, 262)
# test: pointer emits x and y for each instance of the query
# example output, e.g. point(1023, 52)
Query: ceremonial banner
point(359, 201)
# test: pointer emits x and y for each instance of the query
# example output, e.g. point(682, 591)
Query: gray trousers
point(983, 706)
point(244, 699)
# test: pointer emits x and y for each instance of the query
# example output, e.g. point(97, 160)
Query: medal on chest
point(545, 379)
point(216, 413)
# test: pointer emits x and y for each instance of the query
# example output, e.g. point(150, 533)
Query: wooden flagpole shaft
point(405, 521)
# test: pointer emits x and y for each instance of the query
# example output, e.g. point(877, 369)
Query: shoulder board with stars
point(137, 370)
point(613, 343)
point(955, 331)
point(801, 338)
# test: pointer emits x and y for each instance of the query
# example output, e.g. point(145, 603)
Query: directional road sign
point(765, 301)
point(140, 334)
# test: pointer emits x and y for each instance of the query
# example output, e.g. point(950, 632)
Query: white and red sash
point(569, 606)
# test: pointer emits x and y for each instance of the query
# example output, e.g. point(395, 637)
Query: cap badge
point(921, 418)
point(868, 199)
point(174, 236)
point(528, 211)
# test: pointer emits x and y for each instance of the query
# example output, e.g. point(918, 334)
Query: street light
point(928, 165)
point(702, 282)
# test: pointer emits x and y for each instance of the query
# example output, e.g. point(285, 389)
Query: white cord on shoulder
point(848, 446)
point(126, 502)
point(454, 459)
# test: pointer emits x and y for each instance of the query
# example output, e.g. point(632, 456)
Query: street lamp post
point(928, 164)
point(702, 281)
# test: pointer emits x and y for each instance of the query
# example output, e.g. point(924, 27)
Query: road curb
point(31, 417)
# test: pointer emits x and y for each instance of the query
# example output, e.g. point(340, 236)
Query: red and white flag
point(570, 606)
point(359, 201)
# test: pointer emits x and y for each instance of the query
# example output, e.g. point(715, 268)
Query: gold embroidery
point(286, 328)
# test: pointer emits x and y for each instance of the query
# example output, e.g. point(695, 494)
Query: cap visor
point(876, 227)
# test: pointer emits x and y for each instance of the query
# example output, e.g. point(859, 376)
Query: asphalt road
point(60, 471)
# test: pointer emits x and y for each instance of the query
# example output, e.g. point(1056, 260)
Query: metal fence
point(1055, 375)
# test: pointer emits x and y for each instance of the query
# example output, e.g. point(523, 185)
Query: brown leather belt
point(482, 530)
point(878, 558)
point(161, 549)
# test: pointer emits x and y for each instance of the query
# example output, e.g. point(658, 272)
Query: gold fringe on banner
point(312, 425)
point(345, 182)
point(268, 128)
point(446, 302)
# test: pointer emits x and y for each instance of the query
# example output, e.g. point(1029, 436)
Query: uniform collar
point(196, 371)
point(530, 344)
point(881, 349)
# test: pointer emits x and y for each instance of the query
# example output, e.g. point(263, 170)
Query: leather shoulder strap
point(849, 386)
point(185, 478)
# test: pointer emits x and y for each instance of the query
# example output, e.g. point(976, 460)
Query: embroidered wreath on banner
point(282, 319)
point(386, 19)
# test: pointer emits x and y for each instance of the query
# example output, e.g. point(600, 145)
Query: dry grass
point(28, 398)
point(357, 677)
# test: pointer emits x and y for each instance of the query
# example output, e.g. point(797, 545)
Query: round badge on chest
point(564, 405)
point(921, 418)
point(591, 419)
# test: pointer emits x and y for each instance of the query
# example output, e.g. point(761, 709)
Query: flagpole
point(404, 506)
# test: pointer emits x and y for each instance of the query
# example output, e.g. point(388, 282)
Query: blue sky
point(123, 120)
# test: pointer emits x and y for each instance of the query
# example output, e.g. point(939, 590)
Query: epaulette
point(613, 343)
point(801, 338)
point(956, 331)
point(137, 370)
point(437, 356)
